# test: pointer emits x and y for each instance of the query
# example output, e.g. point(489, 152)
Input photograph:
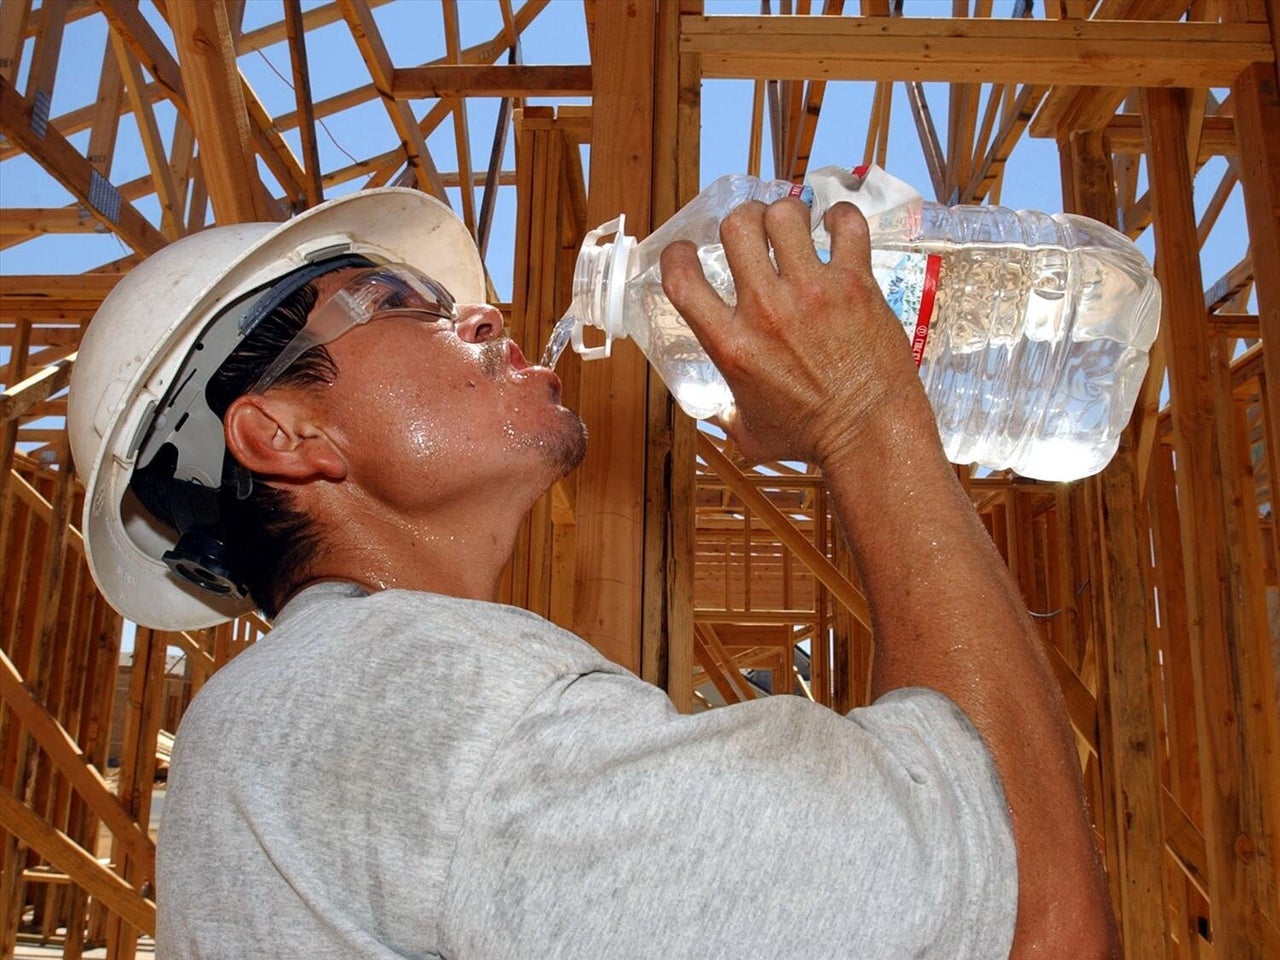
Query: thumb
point(850, 238)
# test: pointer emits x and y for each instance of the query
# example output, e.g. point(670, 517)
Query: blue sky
point(414, 34)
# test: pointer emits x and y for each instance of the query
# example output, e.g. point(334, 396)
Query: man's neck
point(459, 552)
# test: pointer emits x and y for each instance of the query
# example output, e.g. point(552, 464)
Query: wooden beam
point(814, 559)
point(72, 859)
point(89, 288)
point(714, 671)
point(1256, 100)
point(458, 107)
point(1098, 53)
point(110, 107)
point(611, 481)
point(1082, 705)
point(295, 24)
point(1186, 843)
point(219, 115)
point(26, 222)
point(962, 115)
point(1227, 639)
point(491, 80)
point(364, 29)
point(202, 660)
point(51, 17)
point(1069, 109)
point(138, 764)
point(1217, 136)
point(65, 164)
point(276, 154)
point(928, 140)
point(667, 624)
point(106, 112)
point(21, 397)
point(1129, 739)
point(1240, 325)
point(722, 662)
point(72, 763)
point(125, 18)
point(278, 32)
point(171, 221)
point(13, 28)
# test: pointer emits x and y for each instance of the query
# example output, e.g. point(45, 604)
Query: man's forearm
point(947, 615)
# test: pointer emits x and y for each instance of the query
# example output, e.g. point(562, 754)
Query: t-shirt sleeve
point(608, 825)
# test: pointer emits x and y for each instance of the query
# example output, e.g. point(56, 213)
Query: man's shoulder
point(339, 643)
point(441, 627)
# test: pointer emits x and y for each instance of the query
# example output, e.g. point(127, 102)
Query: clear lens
point(372, 291)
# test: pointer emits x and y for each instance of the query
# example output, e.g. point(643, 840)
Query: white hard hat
point(151, 321)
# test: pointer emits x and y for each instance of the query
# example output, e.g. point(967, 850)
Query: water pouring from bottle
point(558, 341)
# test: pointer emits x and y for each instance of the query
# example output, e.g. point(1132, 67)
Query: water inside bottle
point(1035, 363)
point(558, 341)
point(671, 346)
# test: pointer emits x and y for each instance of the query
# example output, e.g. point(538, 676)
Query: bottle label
point(909, 282)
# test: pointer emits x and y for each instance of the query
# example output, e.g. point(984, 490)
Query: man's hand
point(811, 351)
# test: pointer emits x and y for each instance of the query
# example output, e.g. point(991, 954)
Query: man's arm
point(820, 372)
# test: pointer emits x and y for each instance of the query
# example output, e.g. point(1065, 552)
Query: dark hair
point(270, 544)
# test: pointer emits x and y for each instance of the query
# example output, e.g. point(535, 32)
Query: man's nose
point(478, 322)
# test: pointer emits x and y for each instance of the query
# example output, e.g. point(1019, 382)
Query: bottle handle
point(590, 353)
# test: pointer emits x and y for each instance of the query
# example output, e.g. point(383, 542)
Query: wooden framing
point(1156, 584)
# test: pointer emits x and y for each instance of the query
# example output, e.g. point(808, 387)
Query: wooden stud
point(822, 568)
point(1226, 637)
point(13, 28)
point(458, 107)
point(171, 223)
point(1256, 98)
point(928, 140)
point(51, 17)
point(66, 753)
point(1130, 738)
point(137, 769)
point(211, 79)
point(610, 504)
point(295, 26)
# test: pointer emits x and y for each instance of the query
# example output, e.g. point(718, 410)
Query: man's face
point(430, 412)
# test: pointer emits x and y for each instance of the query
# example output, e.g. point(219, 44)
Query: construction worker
point(322, 419)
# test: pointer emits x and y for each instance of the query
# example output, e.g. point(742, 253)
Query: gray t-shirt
point(411, 775)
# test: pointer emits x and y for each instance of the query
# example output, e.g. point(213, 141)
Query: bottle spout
point(599, 278)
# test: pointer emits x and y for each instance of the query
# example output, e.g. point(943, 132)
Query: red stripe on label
point(860, 171)
point(796, 190)
point(932, 266)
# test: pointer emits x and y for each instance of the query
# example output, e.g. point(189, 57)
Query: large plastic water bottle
point(1031, 331)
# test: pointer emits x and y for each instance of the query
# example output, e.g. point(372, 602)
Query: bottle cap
point(599, 280)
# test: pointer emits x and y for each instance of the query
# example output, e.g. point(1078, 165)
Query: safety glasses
point(393, 288)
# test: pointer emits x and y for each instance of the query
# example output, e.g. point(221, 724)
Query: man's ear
point(274, 437)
